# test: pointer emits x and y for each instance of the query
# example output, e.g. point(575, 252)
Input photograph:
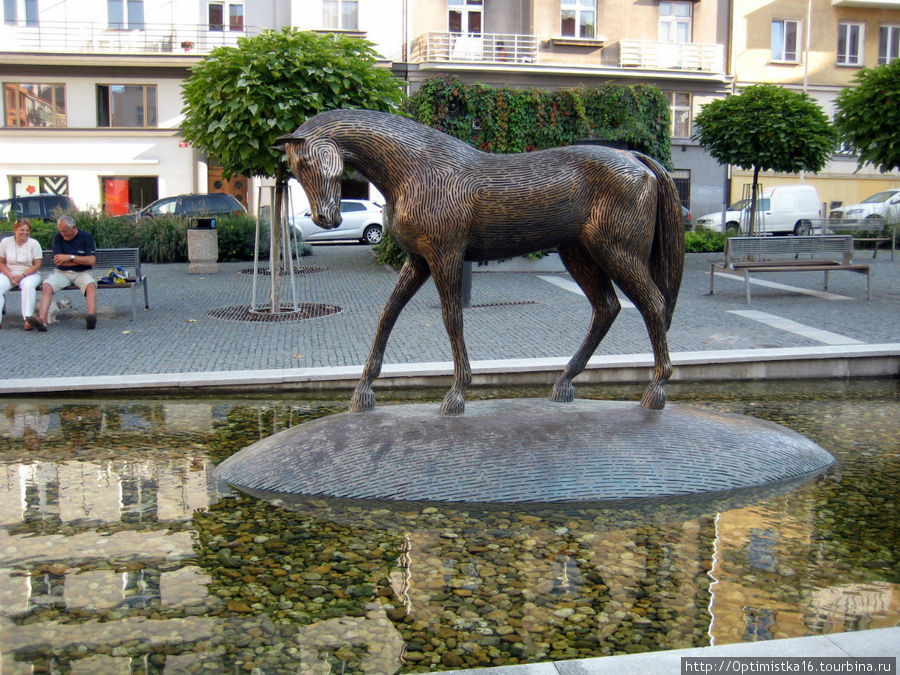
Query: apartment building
point(816, 46)
point(92, 101)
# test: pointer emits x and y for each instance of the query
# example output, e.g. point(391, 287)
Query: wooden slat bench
point(127, 258)
point(881, 232)
point(752, 255)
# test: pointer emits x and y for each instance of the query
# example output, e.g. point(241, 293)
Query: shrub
point(162, 240)
point(237, 234)
point(388, 253)
point(703, 240)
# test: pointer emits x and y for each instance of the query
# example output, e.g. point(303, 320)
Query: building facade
point(92, 91)
point(816, 46)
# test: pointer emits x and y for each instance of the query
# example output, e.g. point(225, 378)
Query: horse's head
point(317, 164)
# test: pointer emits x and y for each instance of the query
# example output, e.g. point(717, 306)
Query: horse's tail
point(667, 253)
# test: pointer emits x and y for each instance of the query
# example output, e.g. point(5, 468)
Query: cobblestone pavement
point(514, 315)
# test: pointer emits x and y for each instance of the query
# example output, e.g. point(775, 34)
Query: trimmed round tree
point(239, 100)
point(868, 116)
point(766, 127)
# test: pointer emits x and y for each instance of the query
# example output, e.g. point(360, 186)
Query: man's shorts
point(59, 279)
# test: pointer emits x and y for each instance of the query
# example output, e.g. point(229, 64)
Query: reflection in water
point(119, 553)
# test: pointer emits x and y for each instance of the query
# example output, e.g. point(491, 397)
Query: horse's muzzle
point(328, 219)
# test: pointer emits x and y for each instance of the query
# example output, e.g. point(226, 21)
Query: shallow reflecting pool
point(119, 552)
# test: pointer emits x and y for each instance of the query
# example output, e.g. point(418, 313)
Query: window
point(235, 16)
point(784, 40)
point(464, 16)
point(122, 14)
point(13, 10)
point(126, 105)
point(679, 114)
point(888, 43)
point(674, 22)
point(34, 105)
point(340, 14)
point(579, 19)
point(850, 42)
point(119, 194)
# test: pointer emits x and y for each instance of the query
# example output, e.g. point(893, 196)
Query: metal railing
point(481, 48)
point(87, 37)
point(648, 54)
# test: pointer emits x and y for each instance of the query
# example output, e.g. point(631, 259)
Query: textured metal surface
point(304, 310)
point(525, 450)
point(614, 217)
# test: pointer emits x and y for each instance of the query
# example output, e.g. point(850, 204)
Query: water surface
point(119, 552)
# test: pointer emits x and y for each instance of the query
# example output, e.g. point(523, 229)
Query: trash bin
point(203, 246)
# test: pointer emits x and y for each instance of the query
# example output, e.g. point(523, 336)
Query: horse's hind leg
point(599, 290)
point(413, 274)
point(633, 277)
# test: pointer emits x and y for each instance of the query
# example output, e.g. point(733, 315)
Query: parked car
point(884, 205)
point(360, 219)
point(37, 207)
point(192, 205)
point(783, 209)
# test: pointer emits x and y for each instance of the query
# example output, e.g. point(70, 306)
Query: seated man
point(73, 254)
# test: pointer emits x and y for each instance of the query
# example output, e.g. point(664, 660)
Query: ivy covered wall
point(506, 120)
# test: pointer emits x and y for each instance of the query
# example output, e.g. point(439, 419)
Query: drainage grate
point(305, 310)
point(505, 304)
point(264, 271)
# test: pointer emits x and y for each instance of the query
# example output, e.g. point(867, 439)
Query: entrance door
point(236, 186)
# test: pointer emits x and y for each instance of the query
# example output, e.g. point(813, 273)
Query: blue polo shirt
point(81, 244)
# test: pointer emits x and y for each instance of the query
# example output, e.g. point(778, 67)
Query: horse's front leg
point(448, 279)
point(413, 274)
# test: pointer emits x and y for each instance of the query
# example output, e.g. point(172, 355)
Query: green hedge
point(161, 240)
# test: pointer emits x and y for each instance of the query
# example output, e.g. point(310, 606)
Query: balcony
point(97, 38)
point(483, 48)
point(499, 48)
point(650, 55)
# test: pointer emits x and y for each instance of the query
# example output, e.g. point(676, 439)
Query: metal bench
point(881, 232)
point(813, 253)
point(127, 258)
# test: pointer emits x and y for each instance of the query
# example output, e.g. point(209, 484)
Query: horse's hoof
point(654, 397)
point(563, 393)
point(453, 404)
point(361, 401)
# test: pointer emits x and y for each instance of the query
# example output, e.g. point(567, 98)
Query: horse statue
point(614, 216)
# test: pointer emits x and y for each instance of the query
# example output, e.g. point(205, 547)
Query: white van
point(784, 209)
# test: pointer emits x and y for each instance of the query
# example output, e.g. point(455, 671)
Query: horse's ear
point(282, 141)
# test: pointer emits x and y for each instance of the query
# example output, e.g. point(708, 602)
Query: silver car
point(360, 219)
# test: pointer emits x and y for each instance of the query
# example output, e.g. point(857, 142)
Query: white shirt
point(19, 258)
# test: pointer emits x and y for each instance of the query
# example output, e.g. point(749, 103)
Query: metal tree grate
point(505, 304)
point(264, 271)
point(304, 310)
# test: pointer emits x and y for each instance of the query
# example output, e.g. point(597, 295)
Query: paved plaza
point(515, 316)
point(518, 321)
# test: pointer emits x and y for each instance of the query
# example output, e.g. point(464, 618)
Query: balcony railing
point(98, 38)
point(483, 48)
point(651, 55)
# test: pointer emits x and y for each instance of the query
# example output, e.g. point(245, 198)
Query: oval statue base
point(525, 451)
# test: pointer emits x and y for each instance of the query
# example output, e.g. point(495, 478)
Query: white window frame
point(343, 14)
point(675, 21)
point(845, 56)
point(780, 50)
point(13, 9)
point(132, 12)
point(584, 13)
point(885, 52)
point(677, 106)
point(465, 8)
point(226, 25)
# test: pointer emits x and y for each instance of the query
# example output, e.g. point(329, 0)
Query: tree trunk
point(753, 191)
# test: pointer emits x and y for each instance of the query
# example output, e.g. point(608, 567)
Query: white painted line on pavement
point(571, 286)
point(823, 336)
point(825, 295)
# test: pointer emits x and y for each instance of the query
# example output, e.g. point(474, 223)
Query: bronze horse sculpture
point(614, 216)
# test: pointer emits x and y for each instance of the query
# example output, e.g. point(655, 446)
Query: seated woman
point(20, 260)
